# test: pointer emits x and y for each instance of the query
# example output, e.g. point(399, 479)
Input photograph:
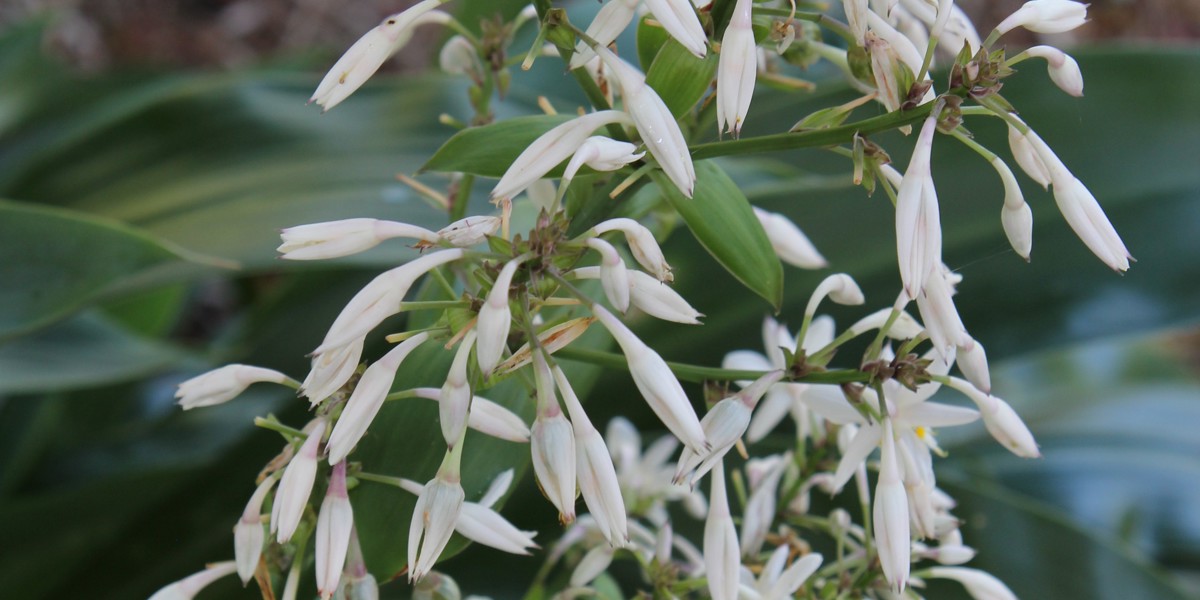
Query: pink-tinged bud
point(495, 319)
point(760, 508)
point(972, 361)
point(1046, 16)
point(224, 384)
point(597, 477)
point(1027, 157)
point(680, 20)
point(334, 524)
point(291, 497)
point(593, 564)
point(1001, 420)
point(357, 583)
point(721, 555)
point(654, 121)
point(601, 154)
point(188, 587)
point(610, 21)
point(334, 239)
point(981, 585)
point(365, 57)
point(904, 327)
point(614, 277)
point(723, 426)
point(366, 400)
point(454, 402)
point(331, 370)
point(552, 442)
point(380, 299)
point(549, 150)
point(736, 70)
point(936, 305)
point(438, 509)
point(792, 246)
point(1064, 71)
point(248, 534)
point(1016, 217)
point(918, 226)
point(642, 245)
point(891, 516)
point(839, 287)
point(469, 231)
point(656, 383)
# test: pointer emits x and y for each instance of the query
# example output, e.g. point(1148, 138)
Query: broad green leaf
point(721, 219)
point(679, 77)
point(650, 40)
point(54, 262)
point(491, 149)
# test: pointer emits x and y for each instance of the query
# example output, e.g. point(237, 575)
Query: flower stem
point(696, 373)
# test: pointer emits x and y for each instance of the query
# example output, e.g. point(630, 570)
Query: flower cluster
point(515, 308)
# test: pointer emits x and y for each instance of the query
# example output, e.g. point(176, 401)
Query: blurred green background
point(149, 155)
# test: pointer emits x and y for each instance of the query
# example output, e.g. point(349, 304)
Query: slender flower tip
point(188, 587)
point(1046, 16)
point(222, 385)
point(1063, 69)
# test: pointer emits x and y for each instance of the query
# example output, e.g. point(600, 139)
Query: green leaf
point(54, 262)
point(650, 40)
point(679, 77)
point(491, 149)
point(723, 222)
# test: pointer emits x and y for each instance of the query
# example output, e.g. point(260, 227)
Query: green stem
point(384, 479)
point(271, 424)
point(822, 19)
point(433, 304)
point(987, 155)
point(877, 344)
point(696, 373)
point(400, 395)
point(440, 277)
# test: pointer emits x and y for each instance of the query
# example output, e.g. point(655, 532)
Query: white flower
point(601, 154)
point(367, 398)
point(1027, 157)
point(610, 21)
point(724, 426)
point(1016, 217)
point(1001, 420)
point(614, 277)
point(656, 383)
point(1046, 16)
point(331, 370)
point(478, 522)
point(904, 327)
point(918, 227)
point(380, 299)
point(777, 583)
point(936, 305)
point(495, 320)
point(248, 535)
point(595, 562)
point(760, 508)
point(550, 149)
point(486, 417)
point(856, 17)
point(188, 587)
point(438, 508)
point(454, 402)
point(981, 585)
point(654, 121)
point(651, 296)
point(792, 246)
point(642, 245)
point(891, 516)
point(972, 361)
point(679, 19)
point(594, 469)
point(365, 57)
point(905, 50)
point(357, 583)
point(334, 239)
point(721, 555)
point(839, 287)
point(459, 57)
point(736, 70)
point(334, 524)
point(552, 442)
point(1064, 71)
point(469, 231)
point(296, 485)
point(224, 384)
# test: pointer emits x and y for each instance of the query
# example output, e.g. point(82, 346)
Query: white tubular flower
point(777, 583)
point(942, 322)
point(1027, 157)
point(459, 57)
point(598, 482)
point(367, 398)
point(612, 19)
point(903, 328)
point(655, 123)
point(544, 196)
point(334, 239)
point(1064, 71)
point(495, 319)
point(553, 444)
point(188, 587)
point(296, 485)
point(357, 583)
point(331, 370)
point(918, 227)
point(478, 522)
point(1001, 420)
point(652, 297)
point(1081, 210)
point(614, 277)
point(224, 384)
point(1016, 217)
point(680, 20)
point(723, 426)
point(454, 402)
point(856, 16)
point(1046, 16)
point(656, 383)
point(470, 231)
point(736, 70)
point(839, 287)
point(551, 340)
point(334, 524)
point(792, 246)
point(905, 50)
point(438, 509)
point(602, 154)
point(591, 566)
point(972, 361)
point(380, 299)
point(981, 585)
point(365, 57)
point(642, 245)
point(721, 555)
point(486, 417)
point(760, 508)
point(891, 516)
point(248, 535)
point(550, 149)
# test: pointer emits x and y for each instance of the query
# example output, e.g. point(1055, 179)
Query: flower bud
point(495, 320)
point(918, 226)
point(839, 287)
point(610, 21)
point(856, 16)
point(792, 246)
point(891, 516)
point(331, 370)
point(552, 442)
point(459, 57)
point(334, 524)
point(904, 327)
point(679, 19)
point(188, 587)
point(1064, 71)
point(651, 296)
point(550, 149)
point(454, 402)
point(248, 535)
point(1001, 420)
point(981, 585)
point(736, 70)
point(334, 239)
point(972, 361)
point(222, 385)
point(601, 154)
point(721, 555)
point(642, 245)
point(760, 509)
point(437, 511)
point(1046, 16)
point(597, 477)
point(470, 231)
point(1027, 157)
point(614, 277)
point(296, 485)
point(723, 426)
point(942, 322)
point(1016, 217)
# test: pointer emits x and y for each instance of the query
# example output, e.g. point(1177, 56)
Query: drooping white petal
point(981, 585)
point(891, 516)
point(550, 149)
point(680, 20)
point(918, 225)
point(296, 485)
point(1046, 16)
point(334, 524)
point(437, 512)
point(469, 231)
point(609, 22)
point(1063, 69)
point(642, 245)
point(222, 385)
point(614, 277)
point(331, 370)
point(333, 239)
point(721, 554)
point(454, 401)
point(188, 587)
point(737, 70)
point(792, 246)
point(598, 483)
point(248, 534)
point(495, 319)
